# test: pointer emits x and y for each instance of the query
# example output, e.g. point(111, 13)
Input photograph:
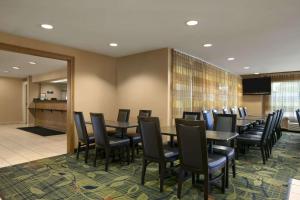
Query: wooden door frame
point(70, 76)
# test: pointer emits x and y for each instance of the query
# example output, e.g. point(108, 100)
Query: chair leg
point(206, 186)
point(262, 154)
point(227, 172)
point(144, 166)
point(107, 154)
point(95, 160)
point(180, 181)
point(193, 179)
point(87, 148)
point(162, 167)
point(233, 168)
point(78, 150)
point(224, 178)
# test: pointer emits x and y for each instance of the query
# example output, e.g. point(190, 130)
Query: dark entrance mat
point(41, 131)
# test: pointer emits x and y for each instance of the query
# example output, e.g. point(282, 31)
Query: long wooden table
point(123, 126)
point(210, 135)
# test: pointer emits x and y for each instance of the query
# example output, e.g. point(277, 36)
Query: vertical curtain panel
point(197, 85)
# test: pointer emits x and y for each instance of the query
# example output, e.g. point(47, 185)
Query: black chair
point(135, 137)
point(245, 110)
point(214, 112)
point(191, 115)
point(84, 139)
point(233, 111)
point(209, 119)
point(298, 115)
point(108, 144)
point(226, 122)
point(153, 150)
point(278, 127)
point(123, 116)
point(194, 157)
point(225, 111)
point(257, 140)
point(241, 112)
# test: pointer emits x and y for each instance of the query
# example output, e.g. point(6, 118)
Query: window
point(286, 95)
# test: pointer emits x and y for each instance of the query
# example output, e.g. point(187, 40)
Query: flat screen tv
point(257, 86)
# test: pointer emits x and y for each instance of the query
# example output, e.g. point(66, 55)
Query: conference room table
point(211, 136)
point(122, 126)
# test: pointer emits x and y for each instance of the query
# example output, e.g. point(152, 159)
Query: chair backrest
point(151, 138)
point(225, 122)
point(80, 127)
point(145, 113)
point(209, 119)
point(280, 119)
point(142, 114)
point(241, 112)
point(123, 115)
point(233, 111)
point(245, 111)
point(225, 111)
point(191, 115)
point(268, 128)
point(192, 145)
point(298, 115)
point(101, 137)
point(214, 111)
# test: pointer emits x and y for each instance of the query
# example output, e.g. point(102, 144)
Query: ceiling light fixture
point(32, 63)
point(207, 45)
point(192, 23)
point(47, 26)
point(17, 68)
point(246, 67)
point(60, 81)
point(230, 59)
point(113, 44)
point(256, 73)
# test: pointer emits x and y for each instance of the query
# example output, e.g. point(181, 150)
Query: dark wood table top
point(244, 122)
point(210, 135)
point(253, 118)
point(116, 124)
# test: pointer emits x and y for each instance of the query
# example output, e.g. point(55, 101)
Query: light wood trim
point(71, 65)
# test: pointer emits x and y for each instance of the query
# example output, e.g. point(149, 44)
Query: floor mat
point(41, 131)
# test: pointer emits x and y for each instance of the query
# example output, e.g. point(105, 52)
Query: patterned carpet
point(64, 177)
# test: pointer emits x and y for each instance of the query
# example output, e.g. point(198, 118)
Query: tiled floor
point(17, 146)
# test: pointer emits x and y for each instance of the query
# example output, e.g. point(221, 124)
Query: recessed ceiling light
point(246, 67)
point(113, 44)
point(47, 26)
point(32, 63)
point(207, 45)
point(256, 73)
point(17, 68)
point(192, 23)
point(230, 59)
point(5, 71)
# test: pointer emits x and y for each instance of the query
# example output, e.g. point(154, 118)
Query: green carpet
point(64, 177)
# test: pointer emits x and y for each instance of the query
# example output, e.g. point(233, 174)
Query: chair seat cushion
point(216, 161)
point(248, 138)
point(113, 141)
point(135, 137)
point(224, 150)
point(171, 153)
point(254, 132)
point(91, 139)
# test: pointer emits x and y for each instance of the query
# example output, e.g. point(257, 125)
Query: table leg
point(171, 140)
point(210, 146)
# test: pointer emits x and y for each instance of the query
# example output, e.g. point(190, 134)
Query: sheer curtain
point(286, 94)
point(197, 85)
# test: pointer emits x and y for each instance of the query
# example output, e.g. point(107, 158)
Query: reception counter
point(51, 114)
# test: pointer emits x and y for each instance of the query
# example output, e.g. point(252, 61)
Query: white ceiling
point(262, 34)
point(43, 65)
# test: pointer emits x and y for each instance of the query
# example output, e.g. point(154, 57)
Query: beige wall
point(254, 103)
point(95, 75)
point(142, 83)
point(54, 75)
point(10, 100)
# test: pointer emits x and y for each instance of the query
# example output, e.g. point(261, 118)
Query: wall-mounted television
point(257, 86)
